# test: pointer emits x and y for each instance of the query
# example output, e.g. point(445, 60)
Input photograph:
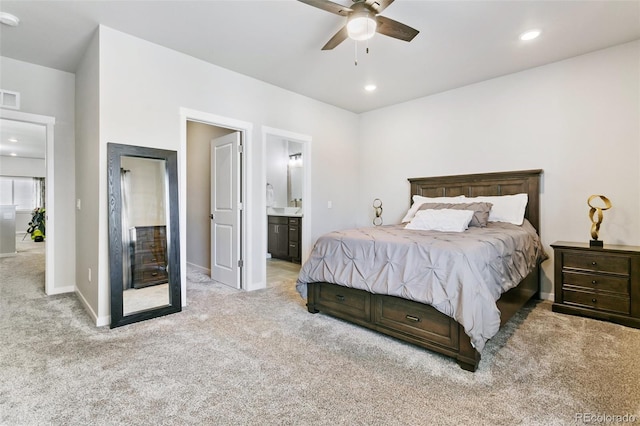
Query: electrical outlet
point(79, 204)
point(329, 204)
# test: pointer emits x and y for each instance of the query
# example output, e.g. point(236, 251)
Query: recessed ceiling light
point(529, 35)
point(9, 19)
point(13, 154)
point(13, 140)
point(370, 87)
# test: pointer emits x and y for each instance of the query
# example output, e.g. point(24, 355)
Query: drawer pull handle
point(412, 318)
point(594, 263)
point(154, 259)
point(340, 297)
point(594, 282)
point(155, 274)
point(594, 300)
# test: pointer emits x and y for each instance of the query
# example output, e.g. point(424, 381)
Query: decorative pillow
point(418, 200)
point(506, 208)
point(480, 210)
point(445, 220)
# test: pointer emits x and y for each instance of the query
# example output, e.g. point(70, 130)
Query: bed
point(455, 321)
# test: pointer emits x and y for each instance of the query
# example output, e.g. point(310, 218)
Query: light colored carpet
point(237, 358)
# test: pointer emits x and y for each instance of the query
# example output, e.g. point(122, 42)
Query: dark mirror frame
point(114, 154)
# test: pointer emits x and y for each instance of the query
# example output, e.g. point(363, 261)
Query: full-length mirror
point(144, 253)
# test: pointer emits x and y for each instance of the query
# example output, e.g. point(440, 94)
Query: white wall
point(277, 159)
point(24, 167)
point(49, 92)
point(577, 119)
point(88, 161)
point(140, 104)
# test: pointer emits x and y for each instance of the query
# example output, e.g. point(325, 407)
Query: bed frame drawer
point(343, 300)
point(415, 319)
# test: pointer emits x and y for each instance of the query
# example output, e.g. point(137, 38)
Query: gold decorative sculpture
point(595, 223)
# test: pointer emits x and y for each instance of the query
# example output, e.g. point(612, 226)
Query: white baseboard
point(102, 321)
point(99, 321)
point(547, 296)
point(62, 290)
point(199, 268)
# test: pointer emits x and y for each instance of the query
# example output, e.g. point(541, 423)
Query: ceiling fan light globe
point(361, 26)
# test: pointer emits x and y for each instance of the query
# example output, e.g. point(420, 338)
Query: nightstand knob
point(594, 300)
point(594, 282)
point(594, 263)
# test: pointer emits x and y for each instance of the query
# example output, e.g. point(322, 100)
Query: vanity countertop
point(284, 211)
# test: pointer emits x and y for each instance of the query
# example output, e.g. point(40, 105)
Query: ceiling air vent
point(9, 99)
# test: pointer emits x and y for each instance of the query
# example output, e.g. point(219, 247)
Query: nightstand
point(598, 282)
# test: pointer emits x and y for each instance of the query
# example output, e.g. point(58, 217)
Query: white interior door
point(225, 209)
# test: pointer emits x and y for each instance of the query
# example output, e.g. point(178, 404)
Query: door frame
point(245, 244)
point(49, 123)
point(305, 140)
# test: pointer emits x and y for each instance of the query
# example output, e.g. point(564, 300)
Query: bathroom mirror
point(294, 179)
point(144, 250)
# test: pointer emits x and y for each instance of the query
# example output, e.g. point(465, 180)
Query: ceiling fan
point(363, 20)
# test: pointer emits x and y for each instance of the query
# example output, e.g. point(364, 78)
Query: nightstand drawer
point(597, 282)
point(597, 301)
point(597, 263)
point(151, 233)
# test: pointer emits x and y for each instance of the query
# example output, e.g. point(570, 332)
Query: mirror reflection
point(144, 237)
point(285, 177)
point(295, 179)
point(144, 234)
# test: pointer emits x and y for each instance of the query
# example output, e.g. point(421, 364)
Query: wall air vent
point(9, 99)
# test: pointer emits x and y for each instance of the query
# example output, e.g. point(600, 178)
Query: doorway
point(32, 136)
point(195, 175)
point(287, 203)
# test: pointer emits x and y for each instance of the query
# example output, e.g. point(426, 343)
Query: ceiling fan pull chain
point(367, 45)
point(355, 52)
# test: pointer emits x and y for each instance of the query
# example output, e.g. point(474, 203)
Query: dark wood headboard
point(473, 185)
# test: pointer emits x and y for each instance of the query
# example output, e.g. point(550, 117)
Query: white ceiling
point(25, 140)
point(279, 42)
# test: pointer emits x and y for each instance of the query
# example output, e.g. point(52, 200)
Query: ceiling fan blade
point(395, 29)
point(329, 6)
point(338, 38)
point(379, 5)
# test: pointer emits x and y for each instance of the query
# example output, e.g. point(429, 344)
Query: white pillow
point(445, 220)
point(419, 200)
point(505, 208)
